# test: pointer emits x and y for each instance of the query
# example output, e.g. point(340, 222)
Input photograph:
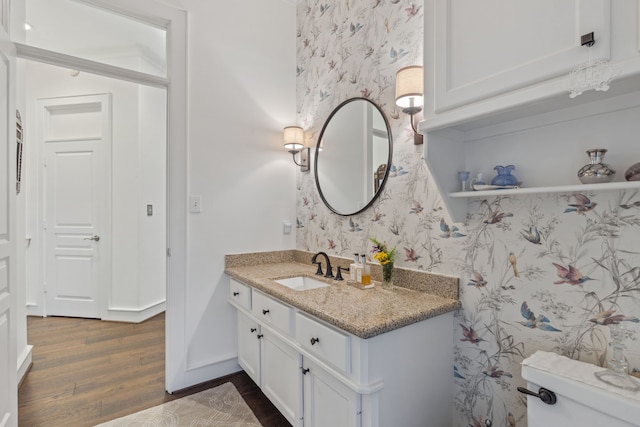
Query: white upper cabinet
point(486, 48)
point(497, 92)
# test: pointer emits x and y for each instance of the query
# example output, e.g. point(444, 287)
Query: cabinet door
point(327, 401)
point(249, 347)
point(481, 49)
point(280, 377)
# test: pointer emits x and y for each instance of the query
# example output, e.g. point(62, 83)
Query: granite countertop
point(362, 312)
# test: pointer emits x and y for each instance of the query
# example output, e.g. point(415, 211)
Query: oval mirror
point(353, 156)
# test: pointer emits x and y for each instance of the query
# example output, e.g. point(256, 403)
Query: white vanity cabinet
point(497, 93)
point(327, 401)
point(322, 376)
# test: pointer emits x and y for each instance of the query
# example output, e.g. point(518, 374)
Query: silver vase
point(596, 172)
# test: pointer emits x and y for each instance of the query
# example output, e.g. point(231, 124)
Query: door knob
point(547, 396)
point(94, 238)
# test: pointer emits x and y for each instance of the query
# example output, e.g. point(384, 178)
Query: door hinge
point(44, 225)
point(169, 252)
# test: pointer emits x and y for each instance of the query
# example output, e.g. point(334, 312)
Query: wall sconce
point(294, 143)
point(409, 94)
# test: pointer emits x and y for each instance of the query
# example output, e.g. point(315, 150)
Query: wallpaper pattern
point(538, 272)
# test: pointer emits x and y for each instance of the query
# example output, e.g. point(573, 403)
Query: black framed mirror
point(353, 156)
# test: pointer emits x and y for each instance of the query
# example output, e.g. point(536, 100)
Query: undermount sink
point(301, 283)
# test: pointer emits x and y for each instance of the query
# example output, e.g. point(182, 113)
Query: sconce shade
point(409, 87)
point(293, 138)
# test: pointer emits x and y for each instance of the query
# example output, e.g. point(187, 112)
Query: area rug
point(221, 406)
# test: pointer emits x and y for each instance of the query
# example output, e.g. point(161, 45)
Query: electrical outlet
point(195, 204)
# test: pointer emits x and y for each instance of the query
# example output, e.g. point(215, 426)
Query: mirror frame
point(389, 160)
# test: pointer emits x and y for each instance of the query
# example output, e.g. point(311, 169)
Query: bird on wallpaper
point(447, 231)
point(470, 335)
point(312, 216)
point(411, 255)
point(412, 11)
point(634, 204)
point(606, 317)
point(377, 3)
point(513, 261)
point(570, 275)
point(323, 95)
point(353, 29)
point(397, 171)
point(477, 281)
point(377, 216)
point(332, 64)
point(346, 2)
point(365, 93)
point(299, 70)
point(533, 235)
point(353, 79)
point(395, 228)
point(299, 223)
point(386, 25)
point(494, 372)
point(369, 52)
point(354, 226)
point(511, 420)
point(582, 205)
point(324, 8)
point(331, 244)
point(305, 201)
point(533, 321)
point(396, 54)
point(417, 207)
point(395, 1)
point(496, 216)
point(456, 373)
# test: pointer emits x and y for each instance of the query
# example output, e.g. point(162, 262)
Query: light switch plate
point(195, 204)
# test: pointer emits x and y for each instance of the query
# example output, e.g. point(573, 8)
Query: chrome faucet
point(319, 263)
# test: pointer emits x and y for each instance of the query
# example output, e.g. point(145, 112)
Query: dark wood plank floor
point(86, 372)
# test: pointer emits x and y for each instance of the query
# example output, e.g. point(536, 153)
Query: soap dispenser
point(352, 269)
point(366, 271)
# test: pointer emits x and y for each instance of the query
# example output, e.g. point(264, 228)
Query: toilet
point(581, 399)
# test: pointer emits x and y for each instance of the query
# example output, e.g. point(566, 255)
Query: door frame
point(175, 21)
point(43, 119)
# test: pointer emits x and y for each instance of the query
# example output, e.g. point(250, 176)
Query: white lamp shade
point(409, 87)
point(293, 138)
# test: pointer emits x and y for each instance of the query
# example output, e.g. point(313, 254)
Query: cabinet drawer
point(324, 342)
point(240, 293)
point(270, 311)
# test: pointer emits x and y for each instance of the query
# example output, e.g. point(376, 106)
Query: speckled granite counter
point(363, 312)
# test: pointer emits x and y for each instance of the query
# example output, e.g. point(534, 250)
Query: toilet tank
point(582, 399)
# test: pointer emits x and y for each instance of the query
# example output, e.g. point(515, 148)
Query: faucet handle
point(329, 271)
point(339, 274)
point(319, 271)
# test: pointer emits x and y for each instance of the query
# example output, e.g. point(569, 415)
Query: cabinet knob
point(235, 294)
point(265, 312)
point(253, 330)
point(314, 340)
point(304, 371)
point(259, 336)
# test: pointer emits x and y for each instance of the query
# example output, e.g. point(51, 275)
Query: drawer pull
point(253, 330)
point(259, 336)
point(304, 371)
point(235, 294)
point(265, 312)
point(314, 340)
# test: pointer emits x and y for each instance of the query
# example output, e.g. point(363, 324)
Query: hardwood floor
point(86, 372)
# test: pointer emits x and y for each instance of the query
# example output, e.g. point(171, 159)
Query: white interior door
point(8, 344)
point(76, 138)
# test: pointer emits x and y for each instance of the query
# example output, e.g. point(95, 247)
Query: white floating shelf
point(579, 188)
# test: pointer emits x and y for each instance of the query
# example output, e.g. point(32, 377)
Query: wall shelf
point(580, 188)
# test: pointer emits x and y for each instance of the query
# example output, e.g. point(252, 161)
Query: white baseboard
point(135, 315)
point(24, 362)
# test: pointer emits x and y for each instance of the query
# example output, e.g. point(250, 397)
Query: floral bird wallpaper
point(537, 272)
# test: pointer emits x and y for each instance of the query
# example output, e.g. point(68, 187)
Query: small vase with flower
point(385, 257)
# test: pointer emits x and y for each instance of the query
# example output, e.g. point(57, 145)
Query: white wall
point(241, 73)
point(137, 280)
